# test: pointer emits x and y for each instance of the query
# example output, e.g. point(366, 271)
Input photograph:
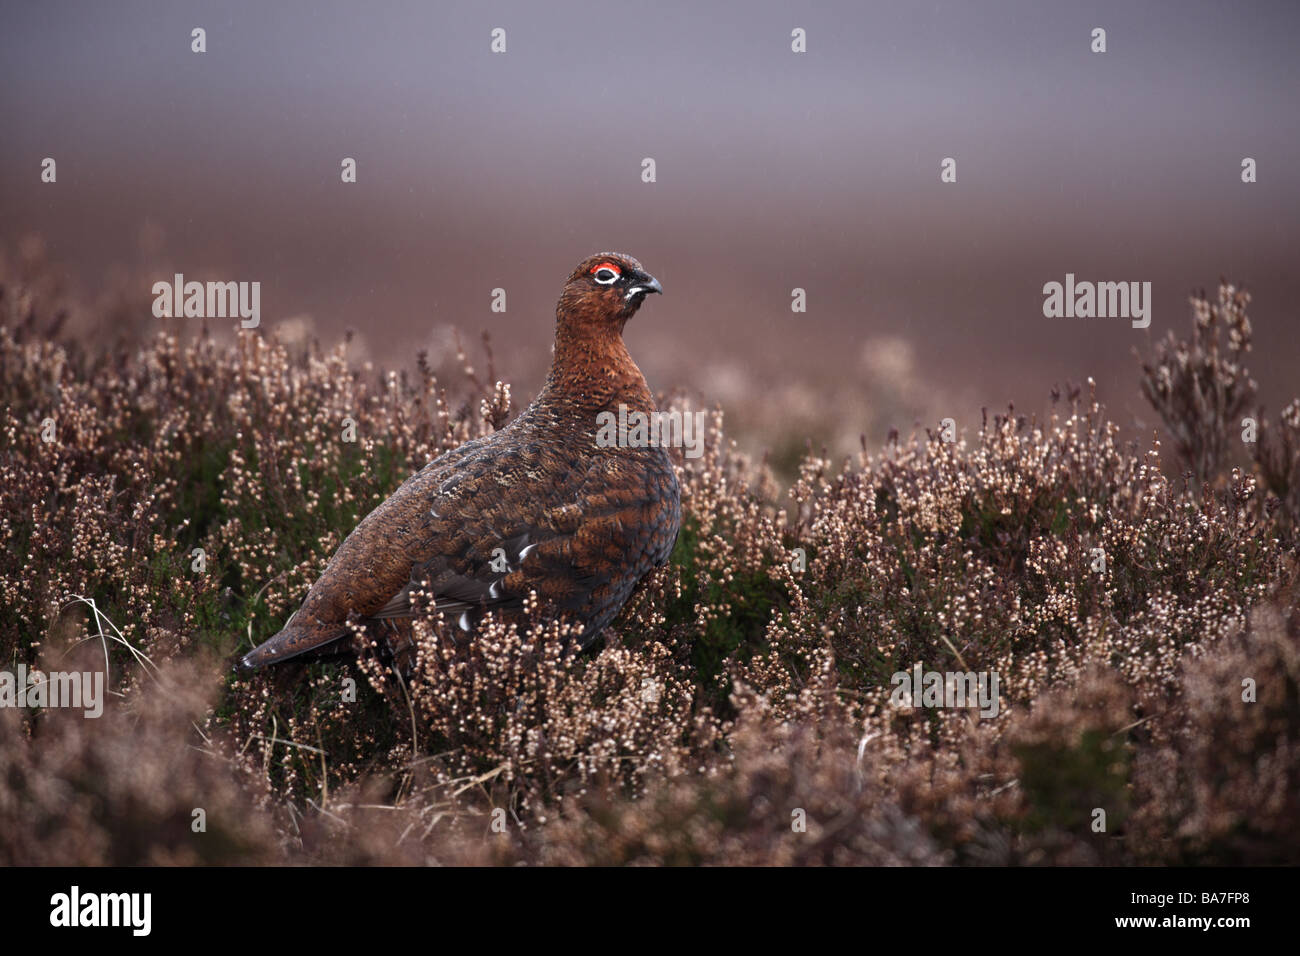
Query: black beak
point(645, 283)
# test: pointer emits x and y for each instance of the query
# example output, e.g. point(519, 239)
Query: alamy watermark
point(922, 688)
point(1098, 300)
point(75, 908)
point(632, 428)
point(82, 690)
point(211, 300)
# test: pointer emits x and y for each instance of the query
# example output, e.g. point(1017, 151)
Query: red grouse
point(539, 506)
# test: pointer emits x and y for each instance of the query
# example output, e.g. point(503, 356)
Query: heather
point(168, 495)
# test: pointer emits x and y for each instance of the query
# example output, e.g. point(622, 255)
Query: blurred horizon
point(775, 170)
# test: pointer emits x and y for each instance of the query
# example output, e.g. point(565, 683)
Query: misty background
point(775, 170)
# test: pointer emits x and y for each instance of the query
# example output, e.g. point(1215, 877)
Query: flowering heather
point(166, 502)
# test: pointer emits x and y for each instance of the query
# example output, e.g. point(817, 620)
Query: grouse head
point(607, 289)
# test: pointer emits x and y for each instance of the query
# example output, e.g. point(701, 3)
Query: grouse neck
point(592, 368)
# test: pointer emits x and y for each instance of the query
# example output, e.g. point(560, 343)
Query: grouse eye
point(606, 275)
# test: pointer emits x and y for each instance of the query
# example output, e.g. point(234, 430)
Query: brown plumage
point(538, 506)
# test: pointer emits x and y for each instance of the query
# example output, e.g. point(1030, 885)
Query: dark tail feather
point(290, 643)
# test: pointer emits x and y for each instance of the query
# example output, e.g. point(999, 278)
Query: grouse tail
point(293, 641)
